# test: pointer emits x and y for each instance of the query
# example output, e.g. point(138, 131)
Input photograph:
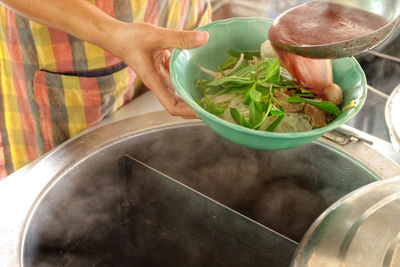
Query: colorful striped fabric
point(49, 89)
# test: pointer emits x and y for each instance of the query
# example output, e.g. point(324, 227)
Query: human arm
point(141, 46)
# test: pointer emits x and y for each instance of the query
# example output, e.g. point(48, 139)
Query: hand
point(144, 47)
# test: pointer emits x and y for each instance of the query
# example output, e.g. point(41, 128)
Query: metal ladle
point(388, 9)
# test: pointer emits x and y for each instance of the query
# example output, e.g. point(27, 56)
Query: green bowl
point(249, 34)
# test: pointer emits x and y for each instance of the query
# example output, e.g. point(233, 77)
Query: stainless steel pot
point(203, 200)
point(244, 207)
point(361, 229)
point(392, 117)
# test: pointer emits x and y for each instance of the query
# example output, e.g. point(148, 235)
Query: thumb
point(184, 39)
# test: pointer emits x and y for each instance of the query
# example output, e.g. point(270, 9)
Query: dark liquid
point(319, 23)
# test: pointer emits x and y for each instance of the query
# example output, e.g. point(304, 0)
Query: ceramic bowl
point(248, 34)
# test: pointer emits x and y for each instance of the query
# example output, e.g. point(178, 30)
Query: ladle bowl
point(388, 9)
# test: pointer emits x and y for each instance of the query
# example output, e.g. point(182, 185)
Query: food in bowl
point(253, 90)
point(247, 34)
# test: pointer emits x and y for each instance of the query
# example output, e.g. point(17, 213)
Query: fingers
point(146, 53)
point(184, 110)
point(155, 81)
point(183, 39)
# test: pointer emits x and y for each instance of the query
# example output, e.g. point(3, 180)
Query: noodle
point(258, 93)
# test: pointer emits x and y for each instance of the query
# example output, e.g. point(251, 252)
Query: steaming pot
point(155, 190)
point(361, 229)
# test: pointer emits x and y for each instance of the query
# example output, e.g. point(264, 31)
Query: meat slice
point(289, 108)
point(292, 108)
point(318, 117)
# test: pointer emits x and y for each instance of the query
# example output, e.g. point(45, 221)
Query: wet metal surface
point(138, 216)
point(108, 210)
point(26, 187)
point(361, 229)
point(89, 164)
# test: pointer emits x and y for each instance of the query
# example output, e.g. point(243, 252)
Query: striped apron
point(54, 85)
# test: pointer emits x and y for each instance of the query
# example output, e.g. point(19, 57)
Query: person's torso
point(54, 85)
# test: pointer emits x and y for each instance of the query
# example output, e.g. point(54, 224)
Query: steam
point(104, 213)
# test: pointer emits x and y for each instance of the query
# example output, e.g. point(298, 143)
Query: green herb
point(201, 84)
point(239, 118)
point(231, 80)
point(304, 93)
point(237, 90)
point(275, 124)
point(215, 109)
point(277, 112)
point(270, 70)
point(230, 62)
point(221, 71)
point(256, 114)
point(236, 115)
point(257, 82)
point(267, 70)
point(326, 106)
point(215, 90)
point(245, 123)
point(252, 95)
point(270, 101)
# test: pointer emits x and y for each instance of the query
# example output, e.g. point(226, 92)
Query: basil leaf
point(239, 118)
point(256, 114)
point(275, 124)
point(229, 62)
point(237, 90)
point(280, 112)
point(221, 71)
point(215, 90)
point(252, 95)
point(246, 54)
point(215, 109)
point(277, 111)
point(231, 80)
point(266, 106)
point(244, 71)
point(326, 106)
point(201, 84)
point(269, 70)
point(245, 123)
point(236, 115)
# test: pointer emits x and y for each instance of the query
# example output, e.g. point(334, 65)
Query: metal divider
point(170, 224)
